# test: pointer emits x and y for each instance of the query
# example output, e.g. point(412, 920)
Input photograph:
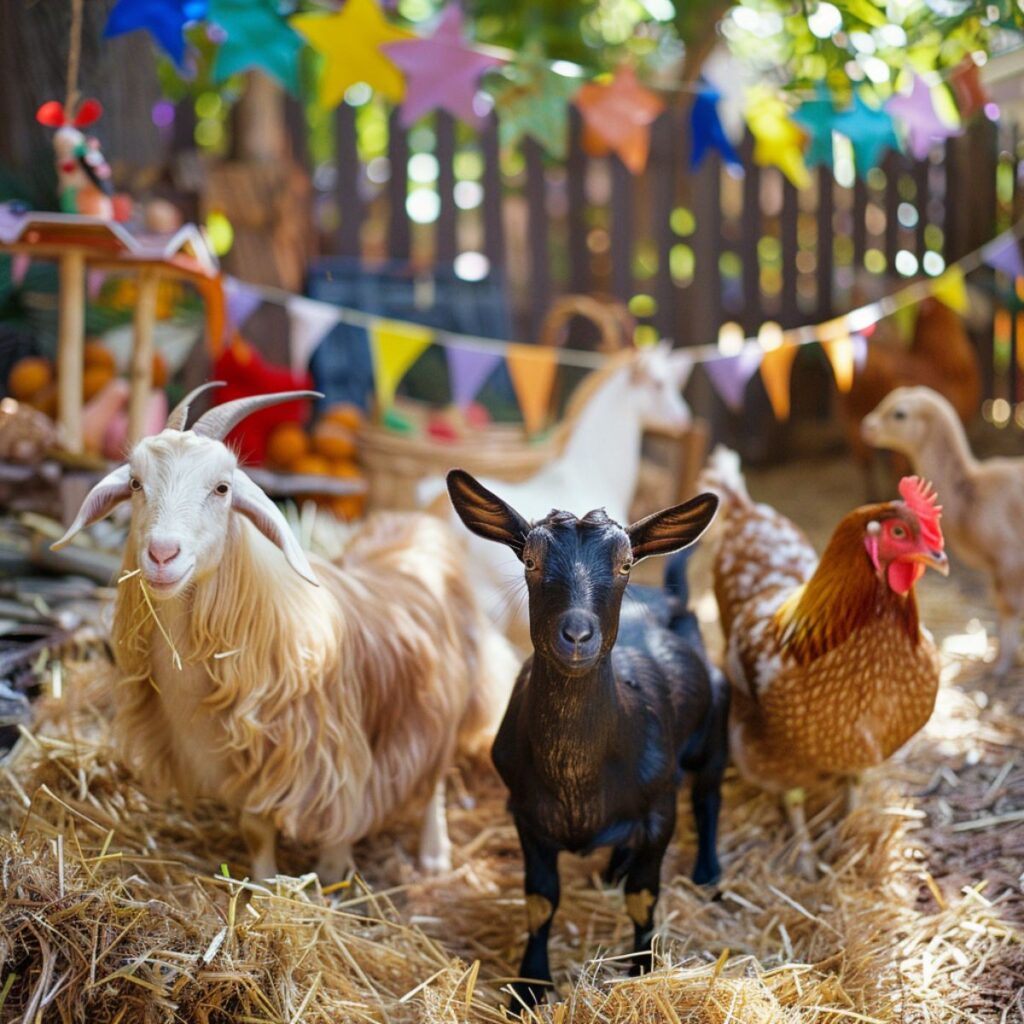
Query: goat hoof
point(527, 995)
point(707, 876)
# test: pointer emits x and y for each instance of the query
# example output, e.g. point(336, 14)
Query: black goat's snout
point(579, 634)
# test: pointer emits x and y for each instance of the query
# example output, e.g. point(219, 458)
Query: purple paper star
point(442, 71)
point(917, 112)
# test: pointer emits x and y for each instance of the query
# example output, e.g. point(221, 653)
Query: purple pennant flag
point(242, 301)
point(860, 351)
point(1003, 254)
point(730, 374)
point(468, 368)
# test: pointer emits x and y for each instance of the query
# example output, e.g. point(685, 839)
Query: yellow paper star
point(778, 141)
point(350, 42)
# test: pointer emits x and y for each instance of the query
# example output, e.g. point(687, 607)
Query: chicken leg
point(806, 862)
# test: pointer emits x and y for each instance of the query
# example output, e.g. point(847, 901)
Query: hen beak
point(936, 560)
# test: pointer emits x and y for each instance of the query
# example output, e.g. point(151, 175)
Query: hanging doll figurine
point(83, 174)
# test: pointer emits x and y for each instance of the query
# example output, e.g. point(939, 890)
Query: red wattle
point(903, 575)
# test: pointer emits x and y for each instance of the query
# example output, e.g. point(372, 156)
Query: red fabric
point(246, 373)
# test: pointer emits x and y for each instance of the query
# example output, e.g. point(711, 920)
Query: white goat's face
point(181, 487)
point(902, 421)
point(658, 379)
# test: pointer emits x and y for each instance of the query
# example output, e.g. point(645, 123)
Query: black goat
point(598, 733)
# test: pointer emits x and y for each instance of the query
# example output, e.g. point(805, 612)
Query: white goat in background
point(316, 710)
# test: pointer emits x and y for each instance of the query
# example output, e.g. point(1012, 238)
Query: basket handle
point(612, 319)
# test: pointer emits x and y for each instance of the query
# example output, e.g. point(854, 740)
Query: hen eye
point(135, 483)
point(530, 564)
point(222, 488)
point(899, 532)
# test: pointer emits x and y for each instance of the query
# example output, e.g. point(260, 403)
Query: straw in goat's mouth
point(175, 656)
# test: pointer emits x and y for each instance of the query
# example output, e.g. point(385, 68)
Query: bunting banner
point(395, 346)
point(468, 369)
point(241, 301)
point(841, 355)
point(730, 374)
point(951, 289)
point(1003, 254)
point(532, 369)
point(310, 322)
point(776, 367)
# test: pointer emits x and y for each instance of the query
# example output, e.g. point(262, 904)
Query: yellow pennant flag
point(776, 364)
point(532, 369)
point(395, 347)
point(840, 355)
point(951, 290)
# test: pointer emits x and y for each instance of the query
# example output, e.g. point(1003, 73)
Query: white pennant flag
point(310, 322)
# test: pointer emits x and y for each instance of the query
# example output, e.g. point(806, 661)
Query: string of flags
point(443, 69)
point(730, 363)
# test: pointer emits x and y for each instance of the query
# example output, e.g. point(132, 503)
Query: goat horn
point(222, 419)
point(179, 417)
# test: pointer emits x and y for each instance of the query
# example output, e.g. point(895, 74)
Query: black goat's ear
point(673, 528)
point(485, 514)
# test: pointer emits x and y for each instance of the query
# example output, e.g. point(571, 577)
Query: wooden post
point(142, 354)
point(70, 342)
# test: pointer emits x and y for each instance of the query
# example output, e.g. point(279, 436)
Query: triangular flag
point(905, 319)
point(310, 322)
point(468, 368)
point(242, 301)
point(94, 280)
point(840, 352)
point(1003, 254)
point(860, 352)
point(395, 346)
point(776, 365)
point(951, 290)
point(532, 369)
point(19, 267)
point(730, 374)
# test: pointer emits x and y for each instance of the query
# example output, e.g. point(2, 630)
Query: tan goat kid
point(316, 699)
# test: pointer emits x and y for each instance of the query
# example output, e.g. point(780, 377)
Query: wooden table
point(79, 244)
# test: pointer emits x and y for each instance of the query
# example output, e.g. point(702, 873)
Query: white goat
point(316, 710)
point(599, 466)
point(982, 502)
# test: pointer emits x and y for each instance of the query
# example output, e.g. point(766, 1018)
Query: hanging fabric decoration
point(442, 71)
point(20, 263)
point(840, 352)
point(923, 125)
point(256, 37)
point(532, 369)
point(706, 131)
point(468, 369)
point(776, 366)
point(532, 100)
point(778, 141)
point(951, 290)
point(967, 89)
point(617, 116)
point(817, 117)
point(730, 374)
point(350, 41)
point(241, 300)
point(309, 323)
point(164, 20)
point(395, 346)
point(1003, 254)
point(870, 133)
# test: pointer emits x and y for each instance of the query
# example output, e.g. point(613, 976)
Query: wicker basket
point(394, 463)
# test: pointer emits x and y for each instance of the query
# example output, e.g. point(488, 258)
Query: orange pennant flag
point(532, 369)
point(776, 365)
point(840, 355)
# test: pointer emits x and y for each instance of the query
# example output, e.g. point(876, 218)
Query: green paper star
point(870, 132)
point(817, 117)
point(257, 37)
point(533, 100)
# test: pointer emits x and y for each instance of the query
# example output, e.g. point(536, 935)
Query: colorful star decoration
point(870, 133)
point(617, 116)
point(442, 71)
point(818, 117)
point(706, 131)
point(256, 36)
point(532, 100)
point(164, 20)
point(923, 125)
point(350, 42)
point(778, 141)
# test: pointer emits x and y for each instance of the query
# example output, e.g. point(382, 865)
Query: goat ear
point(248, 499)
point(485, 514)
point(674, 528)
point(99, 502)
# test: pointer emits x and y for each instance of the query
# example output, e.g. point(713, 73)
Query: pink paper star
point(917, 112)
point(442, 71)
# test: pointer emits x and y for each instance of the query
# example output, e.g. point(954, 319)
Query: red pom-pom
point(51, 114)
point(441, 429)
point(88, 113)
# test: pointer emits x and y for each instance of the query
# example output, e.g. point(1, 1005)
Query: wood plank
point(537, 218)
point(790, 217)
point(662, 189)
point(446, 246)
point(921, 199)
point(750, 234)
point(621, 229)
point(860, 225)
point(350, 205)
point(576, 184)
point(298, 132)
point(893, 166)
point(494, 194)
point(701, 311)
point(826, 241)
point(399, 230)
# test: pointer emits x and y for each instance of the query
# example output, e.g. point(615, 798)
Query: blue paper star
point(818, 118)
point(869, 130)
point(164, 20)
point(257, 37)
point(706, 131)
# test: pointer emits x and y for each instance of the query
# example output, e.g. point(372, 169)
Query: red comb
point(922, 500)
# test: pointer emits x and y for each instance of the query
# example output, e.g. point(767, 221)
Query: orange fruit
point(316, 465)
point(346, 469)
point(45, 400)
point(333, 441)
point(287, 442)
point(95, 353)
point(29, 376)
point(348, 506)
point(159, 371)
point(345, 415)
point(94, 380)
